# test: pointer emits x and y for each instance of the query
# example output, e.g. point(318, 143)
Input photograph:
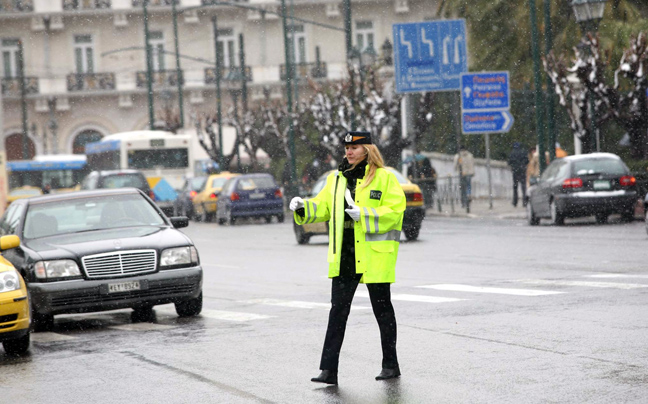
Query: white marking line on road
point(142, 327)
point(223, 266)
point(611, 276)
point(232, 315)
point(414, 298)
point(585, 284)
point(45, 337)
point(297, 304)
point(481, 289)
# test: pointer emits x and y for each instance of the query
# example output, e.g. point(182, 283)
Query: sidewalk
point(479, 208)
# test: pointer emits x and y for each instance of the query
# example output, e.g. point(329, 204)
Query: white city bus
point(163, 157)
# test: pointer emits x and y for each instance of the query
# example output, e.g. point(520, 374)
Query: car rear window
point(124, 181)
point(89, 214)
point(218, 182)
point(599, 166)
point(250, 183)
point(25, 192)
point(196, 184)
point(399, 176)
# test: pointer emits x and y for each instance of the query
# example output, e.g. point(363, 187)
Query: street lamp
point(589, 14)
point(387, 49)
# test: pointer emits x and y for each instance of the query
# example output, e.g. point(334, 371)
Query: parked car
point(23, 192)
point(412, 218)
point(117, 179)
point(250, 195)
point(205, 202)
point(183, 205)
point(14, 304)
point(597, 184)
point(102, 250)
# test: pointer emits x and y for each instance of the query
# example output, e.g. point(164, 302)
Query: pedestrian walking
point(518, 161)
point(363, 204)
point(424, 175)
point(464, 164)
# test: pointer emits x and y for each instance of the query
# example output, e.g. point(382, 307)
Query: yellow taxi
point(204, 203)
point(23, 192)
point(412, 219)
point(14, 304)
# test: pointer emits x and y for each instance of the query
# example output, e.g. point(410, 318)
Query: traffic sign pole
point(488, 169)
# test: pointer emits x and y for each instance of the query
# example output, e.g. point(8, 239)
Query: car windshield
point(196, 184)
point(399, 176)
point(124, 181)
point(88, 214)
point(599, 166)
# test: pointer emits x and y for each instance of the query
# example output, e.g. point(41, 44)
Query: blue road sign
point(485, 91)
point(486, 122)
point(430, 56)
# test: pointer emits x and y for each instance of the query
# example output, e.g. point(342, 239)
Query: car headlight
point(9, 281)
point(56, 269)
point(179, 256)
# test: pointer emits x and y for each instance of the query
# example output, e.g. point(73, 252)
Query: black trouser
point(519, 179)
point(342, 291)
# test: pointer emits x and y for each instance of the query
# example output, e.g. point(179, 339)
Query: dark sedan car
point(597, 184)
point(102, 250)
point(183, 204)
point(250, 195)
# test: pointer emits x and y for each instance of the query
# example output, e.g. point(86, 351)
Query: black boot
point(388, 374)
point(327, 376)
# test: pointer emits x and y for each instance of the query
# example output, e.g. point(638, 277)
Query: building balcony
point(16, 6)
point(306, 70)
point(161, 78)
point(11, 86)
point(90, 82)
point(86, 4)
point(227, 74)
point(155, 3)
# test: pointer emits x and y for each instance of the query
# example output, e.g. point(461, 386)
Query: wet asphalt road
point(508, 314)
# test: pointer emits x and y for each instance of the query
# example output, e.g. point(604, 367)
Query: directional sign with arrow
point(485, 103)
point(487, 122)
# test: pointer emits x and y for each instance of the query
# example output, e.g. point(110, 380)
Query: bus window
point(163, 158)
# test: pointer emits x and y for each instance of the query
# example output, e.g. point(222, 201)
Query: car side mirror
point(179, 222)
point(533, 180)
point(9, 242)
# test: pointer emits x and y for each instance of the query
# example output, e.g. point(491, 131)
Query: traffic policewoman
point(364, 204)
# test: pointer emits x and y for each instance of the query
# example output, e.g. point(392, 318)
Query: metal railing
point(448, 193)
point(90, 81)
point(16, 6)
point(227, 74)
point(86, 4)
point(317, 70)
point(154, 3)
point(160, 78)
point(11, 86)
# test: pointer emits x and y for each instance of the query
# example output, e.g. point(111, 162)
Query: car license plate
point(602, 184)
point(123, 286)
point(257, 196)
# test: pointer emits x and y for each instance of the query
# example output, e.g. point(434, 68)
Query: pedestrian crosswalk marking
point(613, 285)
point(482, 289)
point(142, 327)
point(414, 298)
point(45, 337)
point(297, 304)
point(611, 276)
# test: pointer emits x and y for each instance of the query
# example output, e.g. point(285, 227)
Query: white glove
point(296, 203)
point(354, 212)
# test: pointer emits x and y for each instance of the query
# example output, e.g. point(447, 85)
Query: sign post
point(485, 104)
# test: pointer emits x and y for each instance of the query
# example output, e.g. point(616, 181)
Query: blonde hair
point(374, 161)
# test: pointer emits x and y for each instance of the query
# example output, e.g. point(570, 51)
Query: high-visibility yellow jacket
point(377, 233)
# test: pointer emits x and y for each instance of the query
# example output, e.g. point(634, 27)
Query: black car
point(597, 184)
point(101, 250)
point(250, 195)
point(183, 204)
point(110, 179)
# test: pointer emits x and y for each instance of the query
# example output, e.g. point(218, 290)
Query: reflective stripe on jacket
point(377, 233)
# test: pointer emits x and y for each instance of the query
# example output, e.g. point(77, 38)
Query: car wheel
point(17, 346)
point(142, 314)
point(628, 216)
point(204, 216)
point(531, 217)
point(411, 233)
point(221, 221)
point(42, 322)
point(601, 218)
point(190, 308)
point(268, 219)
point(301, 236)
point(557, 216)
point(281, 218)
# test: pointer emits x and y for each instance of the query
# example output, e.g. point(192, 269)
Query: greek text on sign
point(484, 91)
point(487, 122)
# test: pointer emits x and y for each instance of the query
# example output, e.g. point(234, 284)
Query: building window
point(83, 54)
point(298, 42)
point(227, 47)
point(365, 35)
point(156, 40)
point(10, 57)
